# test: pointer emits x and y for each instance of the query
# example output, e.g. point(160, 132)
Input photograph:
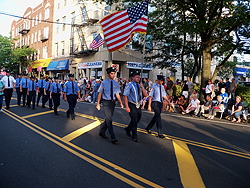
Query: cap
point(32, 76)
point(56, 77)
point(25, 74)
point(71, 75)
point(97, 80)
point(134, 73)
point(160, 77)
point(7, 71)
point(19, 74)
point(110, 69)
point(50, 78)
point(41, 74)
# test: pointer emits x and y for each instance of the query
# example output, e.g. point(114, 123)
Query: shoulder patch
point(151, 89)
point(127, 87)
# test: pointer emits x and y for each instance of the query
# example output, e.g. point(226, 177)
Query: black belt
point(108, 100)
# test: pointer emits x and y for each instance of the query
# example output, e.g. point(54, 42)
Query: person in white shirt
point(10, 84)
point(192, 106)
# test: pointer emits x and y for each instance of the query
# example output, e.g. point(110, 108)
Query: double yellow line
point(83, 154)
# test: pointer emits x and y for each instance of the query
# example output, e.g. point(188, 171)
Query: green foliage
point(188, 67)
point(243, 92)
point(177, 91)
point(227, 70)
point(6, 46)
point(197, 87)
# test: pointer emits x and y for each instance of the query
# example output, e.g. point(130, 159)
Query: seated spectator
point(194, 93)
point(184, 88)
point(237, 110)
point(224, 96)
point(182, 104)
point(219, 106)
point(192, 105)
point(201, 108)
point(144, 101)
point(173, 104)
point(166, 103)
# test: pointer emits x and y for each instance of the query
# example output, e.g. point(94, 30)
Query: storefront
point(90, 69)
point(59, 68)
point(241, 74)
point(39, 67)
point(133, 66)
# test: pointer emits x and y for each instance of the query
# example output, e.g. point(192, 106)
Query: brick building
point(36, 33)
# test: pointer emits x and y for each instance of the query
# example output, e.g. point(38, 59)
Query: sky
point(18, 7)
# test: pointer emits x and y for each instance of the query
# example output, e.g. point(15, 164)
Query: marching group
point(137, 95)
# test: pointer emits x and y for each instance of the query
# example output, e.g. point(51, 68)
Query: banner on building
point(136, 65)
point(90, 65)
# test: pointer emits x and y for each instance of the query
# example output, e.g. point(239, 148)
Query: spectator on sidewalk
point(219, 106)
point(231, 90)
point(170, 86)
point(192, 105)
point(237, 110)
point(221, 85)
point(190, 87)
point(95, 93)
point(227, 85)
point(201, 108)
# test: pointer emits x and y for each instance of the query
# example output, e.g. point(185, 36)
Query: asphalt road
point(40, 149)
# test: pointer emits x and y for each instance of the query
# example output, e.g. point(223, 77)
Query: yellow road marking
point(145, 181)
point(38, 114)
point(81, 131)
point(189, 173)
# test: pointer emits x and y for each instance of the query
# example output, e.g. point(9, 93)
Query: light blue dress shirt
point(155, 93)
point(18, 82)
point(68, 88)
point(41, 83)
point(53, 87)
point(47, 85)
point(23, 83)
point(32, 84)
point(130, 92)
point(105, 87)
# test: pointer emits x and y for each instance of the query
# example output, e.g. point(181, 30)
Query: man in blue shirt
point(95, 93)
point(108, 90)
point(32, 92)
point(227, 84)
point(47, 93)
point(41, 84)
point(24, 88)
point(55, 93)
point(156, 96)
point(132, 101)
point(71, 91)
point(18, 81)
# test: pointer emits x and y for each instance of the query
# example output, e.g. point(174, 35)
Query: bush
point(243, 92)
point(197, 87)
point(177, 91)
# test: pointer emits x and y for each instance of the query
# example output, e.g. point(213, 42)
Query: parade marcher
point(41, 85)
point(32, 92)
point(10, 84)
point(108, 90)
point(24, 88)
point(132, 100)
point(55, 93)
point(71, 91)
point(47, 93)
point(18, 92)
point(2, 87)
point(156, 96)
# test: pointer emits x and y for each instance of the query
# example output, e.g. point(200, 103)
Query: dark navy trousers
point(46, 98)
point(18, 95)
point(135, 115)
point(32, 97)
point(72, 100)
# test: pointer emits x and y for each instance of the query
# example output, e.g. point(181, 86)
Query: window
point(45, 52)
point(73, 17)
point(107, 9)
point(56, 50)
point(40, 17)
point(65, 2)
point(64, 22)
point(33, 21)
point(58, 5)
point(36, 19)
point(35, 56)
point(83, 15)
point(96, 11)
point(47, 12)
point(62, 47)
point(38, 53)
point(46, 32)
point(57, 26)
point(39, 35)
point(32, 37)
point(71, 45)
point(35, 37)
point(28, 40)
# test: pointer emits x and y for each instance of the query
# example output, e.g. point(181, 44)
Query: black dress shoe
point(43, 106)
point(149, 131)
point(23, 106)
point(7, 108)
point(51, 108)
point(73, 118)
point(56, 113)
point(161, 136)
point(135, 139)
point(67, 115)
point(37, 104)
point(33, 108)
point(114, 140)
point(103, 136)
point(127, 132)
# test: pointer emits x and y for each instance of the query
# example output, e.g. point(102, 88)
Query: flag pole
point(143, 55)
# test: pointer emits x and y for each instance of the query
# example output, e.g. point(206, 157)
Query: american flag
point(97, 42)
point(119, 27)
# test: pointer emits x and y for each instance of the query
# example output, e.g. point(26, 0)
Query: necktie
point(8, 81)
point(26, 83)
point(111, 96)
point(138, 88)
point(42, 84)
point(160, 93)
point(73, 92)
point(57, 89)
point(49, 86)
point(32, 86)
point(19, 80)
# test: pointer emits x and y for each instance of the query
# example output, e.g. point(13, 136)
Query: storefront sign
point(99, 73)
point(136, 65)
point(90, 65)
point(58, 65)
point(42, 62)
point(241, 71)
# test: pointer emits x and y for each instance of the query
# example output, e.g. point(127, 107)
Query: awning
point(58, 65)
point(241, 71)
point(41, 62)
point(136, 65)
point(90, 65)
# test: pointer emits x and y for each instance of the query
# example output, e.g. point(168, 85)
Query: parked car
point(244, 83)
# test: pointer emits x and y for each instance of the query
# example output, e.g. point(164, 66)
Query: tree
point(227, 70)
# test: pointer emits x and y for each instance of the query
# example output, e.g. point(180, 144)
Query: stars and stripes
point(119, 27)
point(97, 42)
